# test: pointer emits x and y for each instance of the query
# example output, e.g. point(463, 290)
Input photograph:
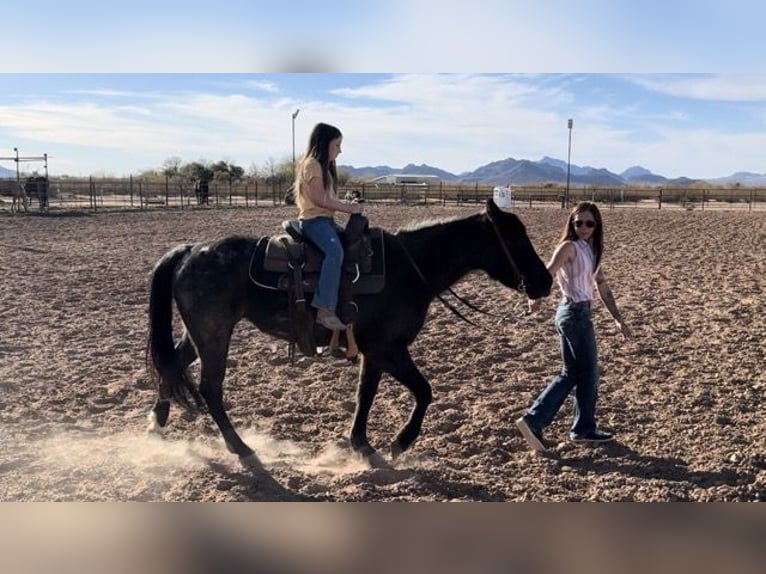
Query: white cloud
point(728, 87)
point(456, 122)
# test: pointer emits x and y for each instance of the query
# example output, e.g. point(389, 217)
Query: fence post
point(659, 200)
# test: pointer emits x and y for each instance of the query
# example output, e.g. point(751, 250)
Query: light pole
point(295, 115)
point(569, 160)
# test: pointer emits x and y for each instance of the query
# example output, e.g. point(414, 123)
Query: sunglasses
point(579, 222)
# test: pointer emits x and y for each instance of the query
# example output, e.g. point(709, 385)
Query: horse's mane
point(427, 224)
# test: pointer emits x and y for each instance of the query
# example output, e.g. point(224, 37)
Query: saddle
point(291, 263)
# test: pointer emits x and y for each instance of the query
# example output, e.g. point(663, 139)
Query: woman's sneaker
point(533, 438)
point(592, 436)
point(329, 320)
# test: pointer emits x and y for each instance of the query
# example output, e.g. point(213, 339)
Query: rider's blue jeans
point(323, 231)
point(579, 371)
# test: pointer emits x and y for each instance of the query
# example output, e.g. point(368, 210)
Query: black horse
point(211, 287)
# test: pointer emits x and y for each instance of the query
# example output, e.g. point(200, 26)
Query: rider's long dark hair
point(319, 149)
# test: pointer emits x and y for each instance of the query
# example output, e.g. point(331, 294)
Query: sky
point(677, 87)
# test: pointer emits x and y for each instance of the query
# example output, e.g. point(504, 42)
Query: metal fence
point(133, 193)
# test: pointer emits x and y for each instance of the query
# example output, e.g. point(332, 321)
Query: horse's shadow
point(259, 485)
point(257, 482)
point(622, 459)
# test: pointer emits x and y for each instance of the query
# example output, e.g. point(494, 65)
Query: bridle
point(522, 287)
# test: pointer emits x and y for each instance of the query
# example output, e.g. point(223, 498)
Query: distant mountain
point(562, 165)
point(636, 172)
point(424, 169)
point(743, 178)
point(598, 177)
point(377, 171)
point(6, 173)
point(546, 170)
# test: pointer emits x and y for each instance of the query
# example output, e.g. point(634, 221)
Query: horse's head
point(511, 258)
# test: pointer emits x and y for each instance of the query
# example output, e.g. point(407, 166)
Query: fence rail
point(131, 193)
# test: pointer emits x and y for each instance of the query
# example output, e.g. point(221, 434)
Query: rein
point(444, 302)
point(508, 256)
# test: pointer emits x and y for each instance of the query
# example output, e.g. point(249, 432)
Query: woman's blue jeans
point(323, 232)
point(579, 371)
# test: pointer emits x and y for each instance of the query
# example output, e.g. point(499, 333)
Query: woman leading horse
point(212, 290)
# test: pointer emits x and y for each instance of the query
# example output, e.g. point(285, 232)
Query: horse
point(212, 290)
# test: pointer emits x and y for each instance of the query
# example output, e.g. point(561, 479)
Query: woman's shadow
point(624, 460)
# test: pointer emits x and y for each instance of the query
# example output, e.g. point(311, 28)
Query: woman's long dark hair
point(319, 149)
point(569, 233)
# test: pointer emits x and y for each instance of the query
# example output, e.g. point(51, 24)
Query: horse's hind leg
point(158, 417)
point(213, 351)
point(404, 370)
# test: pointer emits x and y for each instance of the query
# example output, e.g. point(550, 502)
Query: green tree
point(224, 171)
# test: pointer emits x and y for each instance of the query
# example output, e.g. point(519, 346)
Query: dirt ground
point(685, 398)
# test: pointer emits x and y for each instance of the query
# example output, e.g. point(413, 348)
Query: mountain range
point(551, 170)
point(547, 170)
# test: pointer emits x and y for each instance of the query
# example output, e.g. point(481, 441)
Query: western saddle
point(291, 263)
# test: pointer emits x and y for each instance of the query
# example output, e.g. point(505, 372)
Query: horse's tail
point(163, 364)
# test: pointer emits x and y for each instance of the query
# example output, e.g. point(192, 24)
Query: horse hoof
point(153, 427)
point(376, 461)
point(372, 457)
point(396, 451)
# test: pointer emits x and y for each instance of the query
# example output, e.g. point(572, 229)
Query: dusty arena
point(685, 397)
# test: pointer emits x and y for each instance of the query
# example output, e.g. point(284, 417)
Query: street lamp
point(569, 159)
point(295, 115)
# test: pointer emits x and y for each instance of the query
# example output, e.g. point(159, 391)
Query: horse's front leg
point(404, 370)
point(369, 379)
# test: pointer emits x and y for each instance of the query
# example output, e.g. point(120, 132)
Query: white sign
point(501, 195)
